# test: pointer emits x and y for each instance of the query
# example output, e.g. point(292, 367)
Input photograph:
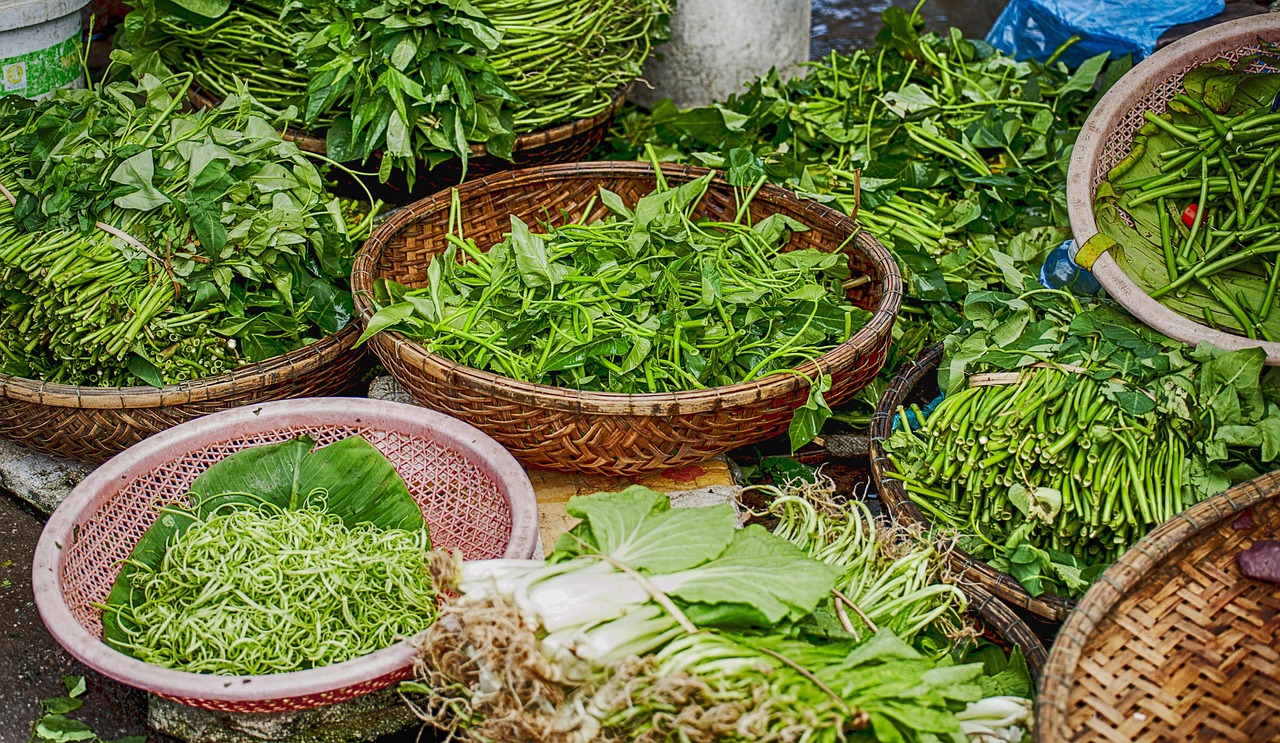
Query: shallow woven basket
point(568, 142)
point(474, 496)
point(918, 383)
point(1173, 643)
point(1000, 625)
point(93, 424)
point(1107, 138)
point(607, 433)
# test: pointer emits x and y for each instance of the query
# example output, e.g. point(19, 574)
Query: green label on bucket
point(41, 72)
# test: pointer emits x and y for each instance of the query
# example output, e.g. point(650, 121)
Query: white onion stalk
point(997, 720)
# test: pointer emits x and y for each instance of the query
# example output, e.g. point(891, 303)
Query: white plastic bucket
point(38, 46)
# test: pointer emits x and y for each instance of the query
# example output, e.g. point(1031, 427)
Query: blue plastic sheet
point(1036, 28)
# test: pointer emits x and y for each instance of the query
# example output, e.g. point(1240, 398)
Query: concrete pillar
point(718, 45)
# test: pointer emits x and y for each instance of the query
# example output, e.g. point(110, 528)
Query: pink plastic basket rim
point(1134, 86)
point(157, 450)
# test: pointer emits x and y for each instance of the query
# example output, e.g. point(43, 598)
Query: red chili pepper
point(1189, 215)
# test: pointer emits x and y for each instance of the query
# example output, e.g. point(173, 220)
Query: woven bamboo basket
point(473, 495)
point(917, 383)
point(1107, 138)
point(568, 142)
point(93, 424)
point(1000, 625)
point(1173, 643)
point(605, 433)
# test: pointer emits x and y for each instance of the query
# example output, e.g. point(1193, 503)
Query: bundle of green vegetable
point(139, 244)
point(1195, 205)
point(653, 624)
point(646, 300)
point(411, 79)
point(1067, 432)
point(288, 559)
point(951, 153)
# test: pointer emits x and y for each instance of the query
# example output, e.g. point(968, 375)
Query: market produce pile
point(410, 80)
point(1195, 206)
point(652, 624)
point(1069, 431)
point(952, 154)
point(648, 299)
point(143, 245)
point(287, 559)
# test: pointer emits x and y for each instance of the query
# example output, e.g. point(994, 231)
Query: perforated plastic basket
point(474, 495)
point(1107, 138)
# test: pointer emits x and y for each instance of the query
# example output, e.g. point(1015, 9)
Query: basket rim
point(303, 360)
point(46, 571)
point(1123, 576)
point(549, 135)
point(1099, 129)
point(649, 403)
point(1050, 606)
point(997, 615)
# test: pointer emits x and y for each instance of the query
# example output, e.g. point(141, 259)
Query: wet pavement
point(845, 25)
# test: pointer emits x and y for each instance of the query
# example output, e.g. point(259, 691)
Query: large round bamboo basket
point(93, 424)
point(605, 433)
point(1173, 643)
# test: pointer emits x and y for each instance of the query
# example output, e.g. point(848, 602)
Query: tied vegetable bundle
point(287, 559)
point(949, 152)
point(145, 245)
point(655, 624)
point(1067, 433)
point(646, 300)
point(1195, 204)
point(410, 79)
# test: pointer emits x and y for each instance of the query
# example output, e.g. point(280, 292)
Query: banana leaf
point(350, 478)
point(1228, 90)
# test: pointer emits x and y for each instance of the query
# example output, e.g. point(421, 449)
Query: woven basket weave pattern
point(91, 424)
point(444, 482)
point(610, 433)
point(1173, 643)
point(916, 383)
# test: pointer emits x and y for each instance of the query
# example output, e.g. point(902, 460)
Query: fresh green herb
point(1216, 150)
point(1103, 430)
point(410, 80)
point(648, 300)
point(289, 559)
point(642, 610)
point(951, 153)
point(55, 727)
point(143, 245)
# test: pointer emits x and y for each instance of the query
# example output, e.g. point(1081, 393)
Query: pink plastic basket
point(474, 495)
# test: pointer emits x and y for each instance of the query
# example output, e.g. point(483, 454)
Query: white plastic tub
point(38, 49)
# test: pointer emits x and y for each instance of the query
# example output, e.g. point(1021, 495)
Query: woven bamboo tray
point(1107, 138)
point(93, 424)
point(605, 433)
point(1173, 643)
point(917, 383)
point(473, 495)
point(561, 143)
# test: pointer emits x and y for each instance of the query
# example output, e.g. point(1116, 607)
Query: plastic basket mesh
point(463, 506)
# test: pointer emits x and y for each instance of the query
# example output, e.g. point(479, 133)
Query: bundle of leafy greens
point(1068, 432)
point(653, 624)
point(146, 245)
point(1193, 212)
point(408, 79)
point(288, 558)
point(648, 299)
point(952, 154)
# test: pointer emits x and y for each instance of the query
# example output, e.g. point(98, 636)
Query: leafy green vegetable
point(55, 727)
point(146, 245)
point(648, 300)
point(952, 154)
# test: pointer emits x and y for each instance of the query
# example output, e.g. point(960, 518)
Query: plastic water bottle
point(1060, 271)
